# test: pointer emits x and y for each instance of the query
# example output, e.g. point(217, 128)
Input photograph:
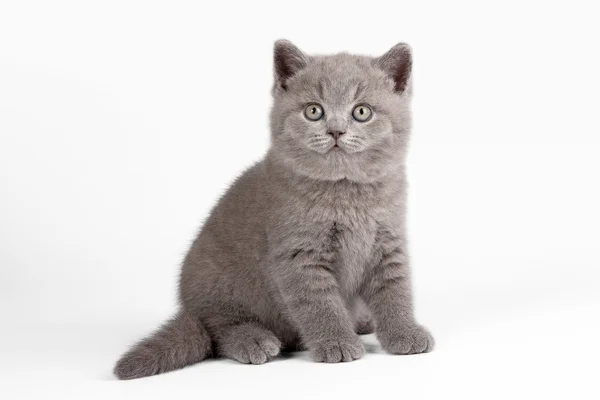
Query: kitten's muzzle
point(336, 135)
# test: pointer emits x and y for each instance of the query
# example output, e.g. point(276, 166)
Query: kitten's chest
point(346, 218)
point(354, 234)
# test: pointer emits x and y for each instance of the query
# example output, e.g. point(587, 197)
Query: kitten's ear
point(288, 61)
point(397, 63)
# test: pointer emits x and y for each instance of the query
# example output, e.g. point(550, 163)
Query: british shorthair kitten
point(307, 248)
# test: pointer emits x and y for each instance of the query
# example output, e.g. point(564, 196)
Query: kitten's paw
point(252, 351)
point(413, 340)
point(365, 326)
point(340, 350)
point(254, 347)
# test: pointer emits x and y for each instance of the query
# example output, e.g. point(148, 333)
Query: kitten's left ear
point(397, 63)
point(288, 61)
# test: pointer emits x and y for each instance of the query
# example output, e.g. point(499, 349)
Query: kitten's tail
point(181, 341)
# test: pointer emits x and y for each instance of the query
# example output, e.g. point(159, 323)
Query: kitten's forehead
point(341, 77)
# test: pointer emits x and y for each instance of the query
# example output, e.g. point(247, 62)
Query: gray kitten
point(310, 242)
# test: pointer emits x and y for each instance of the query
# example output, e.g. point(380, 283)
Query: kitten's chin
point(321, 151)
point(335, 165)
point(335, 150)
point(340, 151)
point(347, 149)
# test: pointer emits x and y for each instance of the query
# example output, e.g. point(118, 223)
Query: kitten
point(310, 238)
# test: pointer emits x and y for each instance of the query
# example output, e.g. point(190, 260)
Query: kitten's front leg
point(387, 292)
point(311, 294)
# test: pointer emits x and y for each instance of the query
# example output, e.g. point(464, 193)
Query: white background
point(122, 122)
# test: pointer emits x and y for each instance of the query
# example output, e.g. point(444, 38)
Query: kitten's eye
point(314, 112)
point(362, 113)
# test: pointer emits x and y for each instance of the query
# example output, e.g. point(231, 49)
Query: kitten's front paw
point(333, 351)
point(413, 340)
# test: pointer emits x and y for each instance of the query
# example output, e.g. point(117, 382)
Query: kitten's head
point(341, 116)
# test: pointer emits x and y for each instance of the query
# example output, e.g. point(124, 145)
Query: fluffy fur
point(308, 247)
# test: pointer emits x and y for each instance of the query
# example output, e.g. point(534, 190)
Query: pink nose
point(336, 134)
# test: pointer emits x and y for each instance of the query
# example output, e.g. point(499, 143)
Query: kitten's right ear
point(397, 63)
point(288, 61)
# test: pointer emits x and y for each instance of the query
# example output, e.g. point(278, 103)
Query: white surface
point(116, 139)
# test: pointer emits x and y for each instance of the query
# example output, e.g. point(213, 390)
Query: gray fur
point(311, 241)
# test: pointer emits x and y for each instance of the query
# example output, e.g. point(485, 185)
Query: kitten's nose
point(336, 134)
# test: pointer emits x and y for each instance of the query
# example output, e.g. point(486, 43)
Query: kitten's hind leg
point(363, 320)
point(248, 343)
